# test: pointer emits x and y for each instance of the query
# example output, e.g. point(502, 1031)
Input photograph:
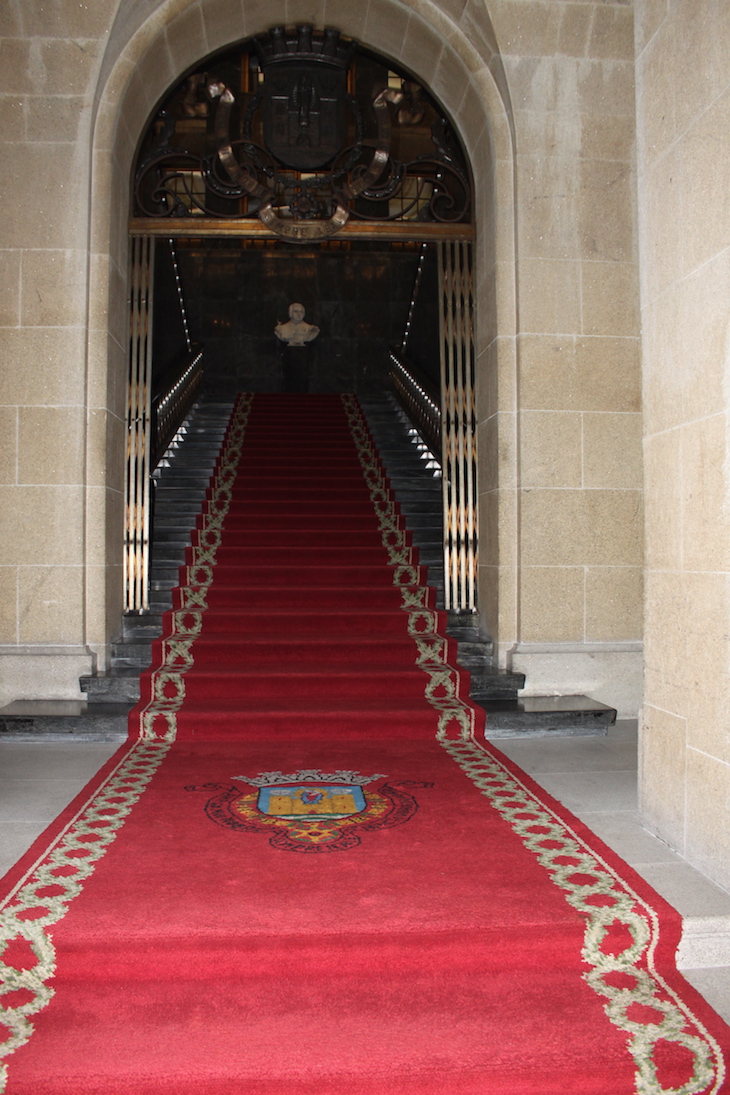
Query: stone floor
point(593, 777)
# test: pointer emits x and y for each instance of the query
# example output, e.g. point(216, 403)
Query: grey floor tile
point(16, 838)
point(53, 760)
point(624, 730)
point(36, 799)
point(714, 985)
point(589, 792)
point(571, 754)
point(627, 837)
point(689, 891)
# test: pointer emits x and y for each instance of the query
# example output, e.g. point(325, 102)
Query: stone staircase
point(181, 480)
point(415, 477)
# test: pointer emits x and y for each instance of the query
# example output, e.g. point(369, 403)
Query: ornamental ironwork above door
point(303, 131)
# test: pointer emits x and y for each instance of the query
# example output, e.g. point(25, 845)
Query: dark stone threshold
point(63, 720)
point(543, 716)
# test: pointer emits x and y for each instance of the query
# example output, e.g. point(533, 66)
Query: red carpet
point(304, 874)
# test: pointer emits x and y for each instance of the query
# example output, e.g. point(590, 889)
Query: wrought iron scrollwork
point(304, 118)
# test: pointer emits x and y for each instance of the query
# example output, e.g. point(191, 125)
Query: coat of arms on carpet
point(310, 810)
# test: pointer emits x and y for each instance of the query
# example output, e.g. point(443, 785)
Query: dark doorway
point(358, 293)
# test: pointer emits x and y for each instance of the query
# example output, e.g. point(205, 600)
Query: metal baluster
point(459, 425)
point(139, 426)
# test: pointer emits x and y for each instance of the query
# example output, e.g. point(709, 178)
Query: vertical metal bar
point(458, 369)
point(139, 425)
point(446, 322)
point(132, 418)
point(445, 471)
point(149, 269)
point(470, 426)
point(459, 424)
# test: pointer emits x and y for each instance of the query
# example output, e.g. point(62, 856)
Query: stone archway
point(145, 56)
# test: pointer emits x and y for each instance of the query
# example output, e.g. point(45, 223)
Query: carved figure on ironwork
point(194, 103)
point(296, 332)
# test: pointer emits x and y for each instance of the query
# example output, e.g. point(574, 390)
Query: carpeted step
point(288, 625)
point(362, 719)
point(299, 556)
point(301, 519)
point(296, 599)
point(332, 683)
point(242, 536)
point(314, 654)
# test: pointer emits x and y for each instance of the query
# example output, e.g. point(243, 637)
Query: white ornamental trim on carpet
point(583, 875)
point(158, 719)
point(27, 912)
point(537, 825)
point(30, 909)
point(455, 717)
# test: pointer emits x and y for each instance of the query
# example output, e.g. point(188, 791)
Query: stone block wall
point(568, 431)
point(683, 115)
point(57, 489)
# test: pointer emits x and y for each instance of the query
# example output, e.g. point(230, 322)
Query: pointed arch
point(149, 47)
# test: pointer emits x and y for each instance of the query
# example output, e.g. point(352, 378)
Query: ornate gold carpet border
point(43, 896)
point(588, 883)
point(158, 719)
point(455, 717)
point(591, 886)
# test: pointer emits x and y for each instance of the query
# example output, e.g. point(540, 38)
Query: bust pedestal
point(296, 364)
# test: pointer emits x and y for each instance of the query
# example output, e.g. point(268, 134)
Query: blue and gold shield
point(314, 801)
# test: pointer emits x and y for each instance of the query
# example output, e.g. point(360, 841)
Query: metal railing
point(150, 432)
point(173, 400)
point(419, 398)
point(458, 376)
point(139, 433)
point(153, 418)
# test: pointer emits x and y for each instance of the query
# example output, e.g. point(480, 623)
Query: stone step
point(176, 492)
point(141, 626)
point(490, 682)
point(541, 716)
point(173, 521)
point(474, 653)
point(201, 467)
point(65, 720)
point(181, 511)
point(417, 490)
point(168, 553)
point(169, 537)
point(180, 479)
point(116, 686)
point(430, 555)
point(131, 654)
point(166, 579)
point(416, 508)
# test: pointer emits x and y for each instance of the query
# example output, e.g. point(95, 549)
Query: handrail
point(419, 398)
point(173, 400)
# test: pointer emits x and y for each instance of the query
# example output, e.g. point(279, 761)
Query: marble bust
point(296, 332)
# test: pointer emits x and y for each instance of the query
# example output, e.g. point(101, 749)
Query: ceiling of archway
point(301, 133)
